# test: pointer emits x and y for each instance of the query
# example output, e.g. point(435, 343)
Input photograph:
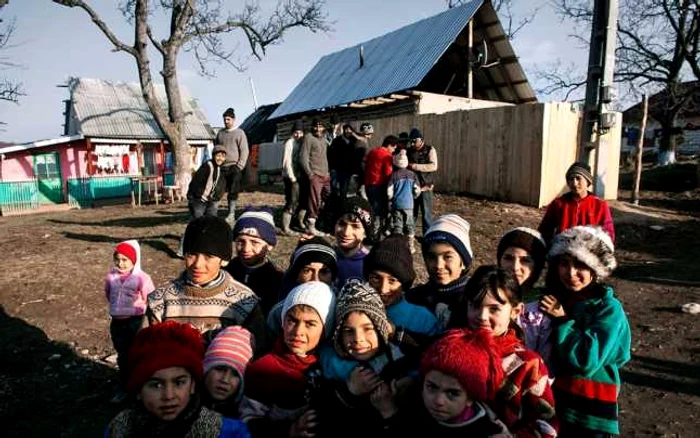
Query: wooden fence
point(514, 153)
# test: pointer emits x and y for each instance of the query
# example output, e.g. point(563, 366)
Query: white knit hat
point(454, 230)
point(590, 245)
point(316, 294)
point(401, 160)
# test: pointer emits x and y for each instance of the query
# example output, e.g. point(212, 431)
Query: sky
point(53, 43)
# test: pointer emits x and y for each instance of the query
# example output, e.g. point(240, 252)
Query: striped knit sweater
point(591, 346)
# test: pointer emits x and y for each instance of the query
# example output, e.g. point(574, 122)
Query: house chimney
point(362, 56)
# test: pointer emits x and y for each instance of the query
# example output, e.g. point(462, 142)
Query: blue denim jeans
point(401, 222)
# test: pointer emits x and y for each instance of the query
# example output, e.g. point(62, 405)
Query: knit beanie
point(232, 347)
point(590, 245)
point(393, 256)
point(127, 250)
point(470, 357)
point(531, 241)
point(257, 223)
point(453, 230)
point(316, 294)
point(357, 296)
point(230, 113)
point(209, 235)
point(298, 126)
point(415, 133)
point(360, 208)
point(401, 160)
point(165, 345)
point(582, 169)
point(218, 149)
point(313, 250)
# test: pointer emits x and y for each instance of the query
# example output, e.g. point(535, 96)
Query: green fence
point(19, 196)
point(83, 191)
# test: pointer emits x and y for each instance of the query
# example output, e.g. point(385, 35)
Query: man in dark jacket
point(207, 185)
point(422, 159)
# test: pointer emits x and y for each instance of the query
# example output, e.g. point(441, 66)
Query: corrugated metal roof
point(394, 62)
point(118, 110)
point(258, 127)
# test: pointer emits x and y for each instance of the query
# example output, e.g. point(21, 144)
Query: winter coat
point(265, 281)
point(567, 212)
point(127, 294)
point(378, 167)
point(207, 183)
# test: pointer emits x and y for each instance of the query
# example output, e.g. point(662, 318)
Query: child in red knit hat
point(165, 366)
point(492, 301)
point(460, 372)
point(127, 288)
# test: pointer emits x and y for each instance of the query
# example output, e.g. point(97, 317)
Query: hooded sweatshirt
point(128, 293)
point(351, 267)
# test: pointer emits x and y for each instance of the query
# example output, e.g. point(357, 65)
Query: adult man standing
point(314, 161)
point(236, 144)
point(422, 159)
point(340, 160)
point(291, 171)
point(378, 168)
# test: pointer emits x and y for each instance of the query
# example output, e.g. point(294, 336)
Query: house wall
point(19, 166)
point(432, 103)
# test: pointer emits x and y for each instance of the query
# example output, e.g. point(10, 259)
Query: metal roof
point(117, 110)
point(393, 62)
point(257, 126)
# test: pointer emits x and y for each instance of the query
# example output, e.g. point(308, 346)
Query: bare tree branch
point(511, 23)
point(10, 91)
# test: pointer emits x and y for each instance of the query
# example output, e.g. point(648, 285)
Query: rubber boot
point(311, 228)
point(180, 249)
point(301, 218)
point(286, 222)
point(231, 216)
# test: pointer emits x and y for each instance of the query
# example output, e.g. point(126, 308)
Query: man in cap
point(314, 162)
point(291, 172)
point(235, 142)
point(422, 159)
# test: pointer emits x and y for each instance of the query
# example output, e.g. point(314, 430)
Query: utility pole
point(640, 152)
point(255, 97)
point(599, 90)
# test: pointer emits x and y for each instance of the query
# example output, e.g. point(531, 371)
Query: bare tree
point(657, 42)
point(199, 26)
point(512, 23)
point(10, 91)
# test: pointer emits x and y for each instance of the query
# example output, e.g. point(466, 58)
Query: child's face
point(443, 263)
point(123, 263)
point(492, 315)
point(315, 272)
point(388, 287)
point(349, 232)
point(574, 275)
point(219, 158)
point(444, 397)
point(202, 268)
point(519, 261)
point(167, 393)
point(302, 330)
point(359, 337)
point(578, 185)
point(222, 382)
point(251, 250)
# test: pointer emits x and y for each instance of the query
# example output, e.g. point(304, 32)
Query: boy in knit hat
point(165, 367)
point(127, 288)
point(254, 238)
point(224, 368)
point(313, 259)
point(402, 189)
point(276, 384)
point(204, 294)
point(447, 254)
point(207, 185)
point(577, 207)
point(591, 334)
point(461, 373)
point(353, 225)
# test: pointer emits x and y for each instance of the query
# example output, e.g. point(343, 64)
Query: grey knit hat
point(357, 296)
point(590, 245)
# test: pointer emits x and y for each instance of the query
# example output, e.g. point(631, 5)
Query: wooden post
point(470, 76)
point(640, 151)
point(88, 147)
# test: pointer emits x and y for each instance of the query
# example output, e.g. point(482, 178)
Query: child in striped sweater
point(591, 334)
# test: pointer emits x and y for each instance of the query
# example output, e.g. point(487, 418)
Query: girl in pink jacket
point(127, 288)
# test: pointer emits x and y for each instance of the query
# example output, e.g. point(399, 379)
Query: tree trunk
point(667, 143)
point(177, 138)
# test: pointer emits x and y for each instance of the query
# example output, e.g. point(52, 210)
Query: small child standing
point(402, 189)
point(224, 364)
point(127, 288)
point(351, 228)
point(207, 185)
point(591, 333)
point(255, 237)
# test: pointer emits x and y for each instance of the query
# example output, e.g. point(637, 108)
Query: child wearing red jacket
point(577, 207)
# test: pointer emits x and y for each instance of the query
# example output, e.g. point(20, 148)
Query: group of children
point(342, 342)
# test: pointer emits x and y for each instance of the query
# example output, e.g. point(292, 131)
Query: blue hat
point(453, 230)
point(257, 223)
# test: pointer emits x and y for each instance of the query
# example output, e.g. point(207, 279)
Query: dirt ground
point(54, 380)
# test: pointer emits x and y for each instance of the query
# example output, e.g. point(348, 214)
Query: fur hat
point(219, 148)
point(393, 256)
point(128, 250)
point(454, 230)
point(357, 296)
point(164, 345)
point(579, 168)
point(360, 208)
point(470, 357)
point(590, 245)
point(229, 113)
point(209, 235)
point(313, 250)
point(232, 347)
point(531, 241)
point(401, 159)
point(257, 223)
point(315, 294)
